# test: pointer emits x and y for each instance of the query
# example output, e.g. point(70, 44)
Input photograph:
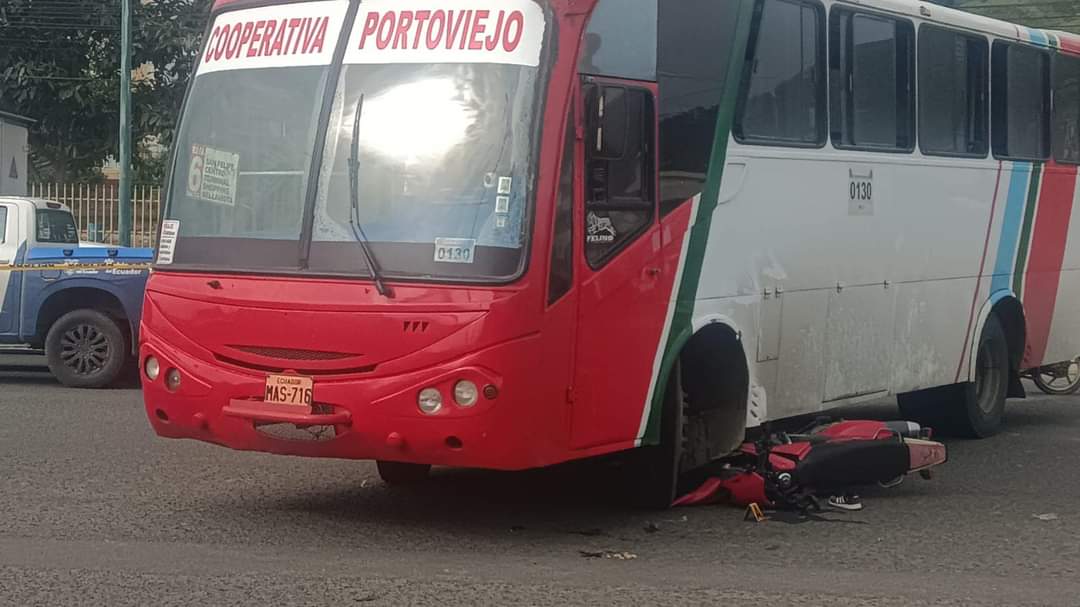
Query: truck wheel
point(400, 473)
point(86, 349)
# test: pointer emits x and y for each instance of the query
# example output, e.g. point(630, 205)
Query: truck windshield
point(445, 147)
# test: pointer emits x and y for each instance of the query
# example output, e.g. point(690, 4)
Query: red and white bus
point(507, 234)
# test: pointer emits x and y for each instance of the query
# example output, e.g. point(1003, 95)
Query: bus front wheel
point(653, 471)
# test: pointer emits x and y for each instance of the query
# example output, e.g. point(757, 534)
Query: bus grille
point(292, 354)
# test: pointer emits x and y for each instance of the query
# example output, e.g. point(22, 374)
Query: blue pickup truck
point(79, 302)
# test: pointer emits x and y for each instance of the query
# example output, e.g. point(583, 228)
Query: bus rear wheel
point(983, 403)
point(401, 473)
point(970, 410)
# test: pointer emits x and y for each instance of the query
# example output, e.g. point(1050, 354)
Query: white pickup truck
point(79, 302)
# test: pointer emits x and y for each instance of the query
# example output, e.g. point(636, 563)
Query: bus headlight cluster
point(466, 394)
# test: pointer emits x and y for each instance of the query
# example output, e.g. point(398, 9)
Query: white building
point(14, 153)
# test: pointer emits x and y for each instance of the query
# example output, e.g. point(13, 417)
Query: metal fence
point(96, 209)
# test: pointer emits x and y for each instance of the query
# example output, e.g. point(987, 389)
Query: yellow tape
point(71, 267)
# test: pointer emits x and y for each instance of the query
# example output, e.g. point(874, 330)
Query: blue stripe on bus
point(1011, 222)
point(1037, 37)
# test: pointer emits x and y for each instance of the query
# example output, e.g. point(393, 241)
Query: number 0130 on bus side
point(292, 390)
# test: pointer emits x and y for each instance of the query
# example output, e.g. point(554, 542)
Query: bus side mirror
point(608, 122)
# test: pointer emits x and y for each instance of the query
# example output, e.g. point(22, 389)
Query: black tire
point(401, 473)
point(652, 475)
point(969, 410)
point(931, 407)
point(86, 349)
point(980, 413)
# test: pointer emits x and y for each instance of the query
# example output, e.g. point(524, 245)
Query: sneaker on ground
point(845, 502)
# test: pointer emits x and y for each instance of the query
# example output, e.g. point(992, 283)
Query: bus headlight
point(152, 368)
point(429, 400)
point(465, 393)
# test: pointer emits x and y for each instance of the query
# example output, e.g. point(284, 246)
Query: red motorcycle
point(796, 471)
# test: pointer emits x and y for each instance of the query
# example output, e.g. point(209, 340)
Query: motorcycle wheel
point(1058, 379)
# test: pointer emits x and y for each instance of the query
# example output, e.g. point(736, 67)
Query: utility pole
point(125, 123)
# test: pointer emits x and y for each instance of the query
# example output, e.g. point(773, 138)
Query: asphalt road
point(94, 509)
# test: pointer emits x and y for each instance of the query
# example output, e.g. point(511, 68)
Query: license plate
point(292, 390)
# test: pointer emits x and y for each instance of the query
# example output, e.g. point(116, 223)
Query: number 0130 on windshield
point(292, 390)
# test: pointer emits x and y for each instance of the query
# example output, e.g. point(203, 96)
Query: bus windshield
point(444, 154)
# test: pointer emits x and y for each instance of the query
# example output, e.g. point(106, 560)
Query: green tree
point(60, 62)
point(1063, 15)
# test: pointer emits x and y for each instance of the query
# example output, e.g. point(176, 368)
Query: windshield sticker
point(500, 222)
point(286, 35)
point(502, 204)
point(212, 175)
point(599, 230)
point(455, 250)
point(505, 183)
point(170, 229)
point(509, 32)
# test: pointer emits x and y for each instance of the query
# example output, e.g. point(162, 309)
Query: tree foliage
point(1063, 15)
point(60, 65)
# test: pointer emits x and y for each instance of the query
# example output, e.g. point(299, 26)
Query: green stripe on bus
point(686, 290)
point(1025, 231)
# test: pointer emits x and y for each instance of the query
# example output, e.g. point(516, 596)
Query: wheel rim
point(84, 349)
point(987, 377)
point(1060, 378)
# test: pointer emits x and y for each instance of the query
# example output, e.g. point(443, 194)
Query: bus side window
point(873, 94)
point(1067, 109)
point(1020, 104)
point(619, 194)
point(784, 95)
point(953, 92)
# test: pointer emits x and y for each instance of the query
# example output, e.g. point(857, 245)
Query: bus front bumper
point(509, 428)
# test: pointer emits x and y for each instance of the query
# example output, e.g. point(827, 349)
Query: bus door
point(622, 299)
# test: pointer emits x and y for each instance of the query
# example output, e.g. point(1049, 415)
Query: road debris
point(1049, 516)
point(608, 554)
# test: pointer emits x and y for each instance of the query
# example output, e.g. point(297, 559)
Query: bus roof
point(935, 13)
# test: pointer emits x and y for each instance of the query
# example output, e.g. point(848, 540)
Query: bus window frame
point(1055, 58)
point(823, 85)
point(988, 91)
point(651, 89)
point(1049, 108)
point(913, 99)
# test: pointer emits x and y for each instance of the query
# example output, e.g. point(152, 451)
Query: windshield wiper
point(354, 200)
